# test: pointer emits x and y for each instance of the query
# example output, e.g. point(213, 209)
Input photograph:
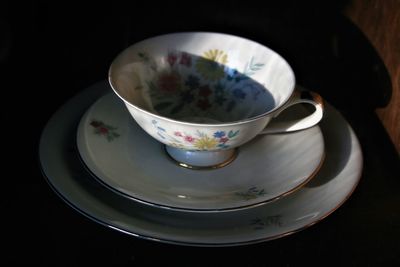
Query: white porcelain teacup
point(204, 94)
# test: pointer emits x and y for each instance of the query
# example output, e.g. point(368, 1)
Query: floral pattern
point(251, 193)
point(259, 224)
point(205, 143)
point(102, 129)
point(197, 141)
point(200, 86)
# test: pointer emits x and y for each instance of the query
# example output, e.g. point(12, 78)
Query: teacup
point(205, 94)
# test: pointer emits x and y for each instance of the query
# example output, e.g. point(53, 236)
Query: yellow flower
point(211, 65)
point(205, 143)
point(216, 55)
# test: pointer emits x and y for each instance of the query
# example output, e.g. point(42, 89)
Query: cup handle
point(299, 96)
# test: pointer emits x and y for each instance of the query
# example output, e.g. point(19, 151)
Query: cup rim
point(220, 124)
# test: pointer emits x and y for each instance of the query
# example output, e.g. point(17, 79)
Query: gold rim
point(212, 167)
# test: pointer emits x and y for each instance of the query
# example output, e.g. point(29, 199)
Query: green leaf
point(232, 134)
point(200, 134)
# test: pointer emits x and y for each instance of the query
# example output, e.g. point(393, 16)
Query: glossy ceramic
point(127, 160)
point(332, 186)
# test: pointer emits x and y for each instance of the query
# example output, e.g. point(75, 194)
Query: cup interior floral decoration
point(204, 94)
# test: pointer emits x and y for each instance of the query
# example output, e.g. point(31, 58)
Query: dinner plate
point(127, 160)
point(327, 191)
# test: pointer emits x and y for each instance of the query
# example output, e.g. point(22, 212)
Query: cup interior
point(202, 77)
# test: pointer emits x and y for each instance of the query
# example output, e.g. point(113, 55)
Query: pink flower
point(177, 133)
point(171, 58)
point(223, 139)
point(185, 60)
point(189, 139)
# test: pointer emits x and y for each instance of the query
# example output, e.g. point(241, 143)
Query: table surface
point(51, 53)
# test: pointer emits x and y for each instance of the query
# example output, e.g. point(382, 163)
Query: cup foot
point(200, 160)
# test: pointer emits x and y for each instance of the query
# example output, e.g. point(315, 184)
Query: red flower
point(223, 140)
point(185, 60)
point(189, 139)
point(171, 59)
point(169, 82)
point(203, 104)
point(103, 130)
point(177, 133)
point(204, 91)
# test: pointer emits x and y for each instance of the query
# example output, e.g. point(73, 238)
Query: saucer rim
point(193, 210)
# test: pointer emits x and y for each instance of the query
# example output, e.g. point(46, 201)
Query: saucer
point(330, 188)
point(130, 162)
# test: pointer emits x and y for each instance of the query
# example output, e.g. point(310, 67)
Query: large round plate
point(331, 187)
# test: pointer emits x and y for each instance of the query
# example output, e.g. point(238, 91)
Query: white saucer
point(127, 160)
point(330, 188)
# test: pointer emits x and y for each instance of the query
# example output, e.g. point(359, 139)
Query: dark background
point(50, 52)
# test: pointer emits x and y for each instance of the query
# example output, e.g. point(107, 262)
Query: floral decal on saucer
point(259, 224)
point(197, 141)
point(102, 129)
point(182, 84)
point(251, 193)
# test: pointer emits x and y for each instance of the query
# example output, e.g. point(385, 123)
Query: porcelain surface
point(332, 186)
point(124, 158)
point(205, 91)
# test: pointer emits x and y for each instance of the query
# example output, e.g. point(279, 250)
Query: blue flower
point(230, 73)
point(219, 134)
point(241, 77)
point(160, 135)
